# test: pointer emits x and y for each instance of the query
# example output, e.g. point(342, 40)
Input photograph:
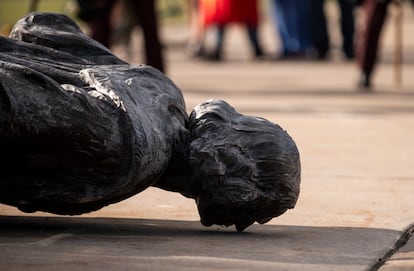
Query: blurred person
point(321, 33)
point(221, 13)
point(146, 16)
point(195, 43)
point(292, 19)
point(97, 14)
point(367, 53)
point(33, 5)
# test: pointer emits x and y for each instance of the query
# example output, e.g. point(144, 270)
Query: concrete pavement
point(356, 208)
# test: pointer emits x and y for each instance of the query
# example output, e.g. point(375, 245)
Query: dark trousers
point(252, 31)
point(292, 20)
point(320, 29)
point(97, 14)
point(146, 15)
point(376, 12)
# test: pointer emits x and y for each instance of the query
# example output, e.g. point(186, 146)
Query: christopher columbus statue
point(81, 129)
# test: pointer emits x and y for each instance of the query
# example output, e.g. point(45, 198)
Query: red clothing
point(229, 11)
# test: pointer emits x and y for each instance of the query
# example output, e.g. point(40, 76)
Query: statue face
point(212, 212)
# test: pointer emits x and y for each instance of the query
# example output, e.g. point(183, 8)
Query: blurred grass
point(12, 10)
point(173, 11)
point(169, 11)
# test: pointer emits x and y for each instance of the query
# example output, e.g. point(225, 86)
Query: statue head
point(247, 168)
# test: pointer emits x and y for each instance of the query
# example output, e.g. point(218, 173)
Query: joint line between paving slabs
point(402, 241)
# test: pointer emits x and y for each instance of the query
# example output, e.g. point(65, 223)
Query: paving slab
point(357, 175)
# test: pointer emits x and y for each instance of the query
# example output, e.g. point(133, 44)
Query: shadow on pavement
point(68, 243)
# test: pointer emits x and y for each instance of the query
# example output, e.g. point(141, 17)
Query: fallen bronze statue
point(81, 129)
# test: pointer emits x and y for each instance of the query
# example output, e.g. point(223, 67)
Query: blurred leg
point(376, 12)
point(303, 17)
point(97, 13)
point(347, 27)
point(218, 50)
point(147, 17)
point(280, 18)
point(254, 40)
point(319, 29)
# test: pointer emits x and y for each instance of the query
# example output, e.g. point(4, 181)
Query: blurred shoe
point(291, 56)
point(214, 56)
point(349, 55)
point(322, 55)
point(318, 54)
point(260, 55)
point(195, 50)
point(364, 82)
point(258, 52)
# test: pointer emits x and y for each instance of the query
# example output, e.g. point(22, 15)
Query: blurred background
point(179, 38)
